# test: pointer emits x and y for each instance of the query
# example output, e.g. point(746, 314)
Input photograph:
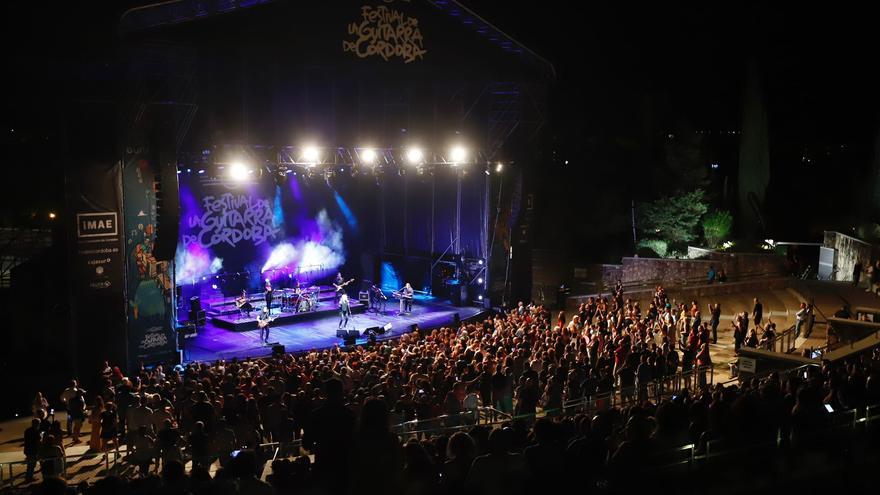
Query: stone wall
point(697, 292)
point(675, 272)
point(848, 250)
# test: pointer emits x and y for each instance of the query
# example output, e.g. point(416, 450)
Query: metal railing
point(785, 342)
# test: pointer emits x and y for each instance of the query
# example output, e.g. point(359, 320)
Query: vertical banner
point(94, 198)
point(149, 285)
point(97, 213)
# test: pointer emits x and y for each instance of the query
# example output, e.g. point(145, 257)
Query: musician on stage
point(244, 306)
point(263, 321)
point(377, 298)
point(339, 284)
point(406, 298)
point(344, 310)
point(270, 293)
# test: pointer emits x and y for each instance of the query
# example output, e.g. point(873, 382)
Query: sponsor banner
point(97, 210)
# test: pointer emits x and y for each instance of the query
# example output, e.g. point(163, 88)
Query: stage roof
point(155, 17)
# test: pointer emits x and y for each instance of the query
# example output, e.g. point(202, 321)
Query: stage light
point(311, 154)
point(479, 262)
point(480, 280)
point(201, 171)
point(368, 156)
point(214, 286)
point(499, 167)
point(480, 297)
point(414, 156)
point(458, 154)
point(238, 171)
point(51, 216)
point(267, 280)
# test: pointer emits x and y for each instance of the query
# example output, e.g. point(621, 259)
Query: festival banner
point(149, 284)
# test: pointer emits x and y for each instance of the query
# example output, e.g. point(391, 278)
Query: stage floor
point(213, 342)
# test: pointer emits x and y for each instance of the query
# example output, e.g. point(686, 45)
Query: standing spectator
point(460, 452)
point(76, 412)
point(714, 320)
point(95, 422)
point(168, 443)
point(704, 363)
point(40, 404)
point(68, 394)
point(857, 273)
point(330, 433)
point(200, 446)
point(109, 426)
point(143, 445)
point(800, 317)
point(32, 438)
point(644, 376)
point(51, 457)
point(757, 312)
point(710, 275)
point(875, 279)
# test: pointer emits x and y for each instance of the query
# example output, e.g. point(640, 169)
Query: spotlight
point(214, 286)
point(311, 154)
point(238, 171)
point(368, 156)
point(267, 280)
point(480, 297)
point(52, 216)
point(414, 156)
point(480, 262)
point(480, 280)
point(458, 154)
point(499, 167)
point(201, 171)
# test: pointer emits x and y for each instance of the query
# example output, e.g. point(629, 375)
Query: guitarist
point(339, 284)
point(243, 305)
point(263, 321)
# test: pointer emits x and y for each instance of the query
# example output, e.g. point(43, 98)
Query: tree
point(716, 227)
point(674, 218)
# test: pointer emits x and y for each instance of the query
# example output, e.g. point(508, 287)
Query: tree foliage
point(674, 218)
point(657, 246)
point(716, 227)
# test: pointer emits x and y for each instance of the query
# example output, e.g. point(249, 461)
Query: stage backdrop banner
point(149, 285)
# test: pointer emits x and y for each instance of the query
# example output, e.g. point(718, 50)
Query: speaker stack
point(164, 154)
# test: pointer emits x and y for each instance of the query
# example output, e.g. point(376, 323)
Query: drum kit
point(300, 300)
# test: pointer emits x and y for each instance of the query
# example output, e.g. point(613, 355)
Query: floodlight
point(311, 154)
point(238, 171)
point(458, 154)
point(368, 156)
point(414, 156)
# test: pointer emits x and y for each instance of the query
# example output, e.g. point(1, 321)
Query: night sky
point(625, 73)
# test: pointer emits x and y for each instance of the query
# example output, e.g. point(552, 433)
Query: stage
point(214, 342)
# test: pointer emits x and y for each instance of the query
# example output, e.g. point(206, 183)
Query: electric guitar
point(343, 284)
point(263, 323)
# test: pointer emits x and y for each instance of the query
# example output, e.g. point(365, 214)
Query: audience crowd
point(340, 404)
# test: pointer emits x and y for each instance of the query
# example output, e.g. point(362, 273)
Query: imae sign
point(96, 224)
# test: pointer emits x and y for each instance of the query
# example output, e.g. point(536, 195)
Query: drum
point(304, 304)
